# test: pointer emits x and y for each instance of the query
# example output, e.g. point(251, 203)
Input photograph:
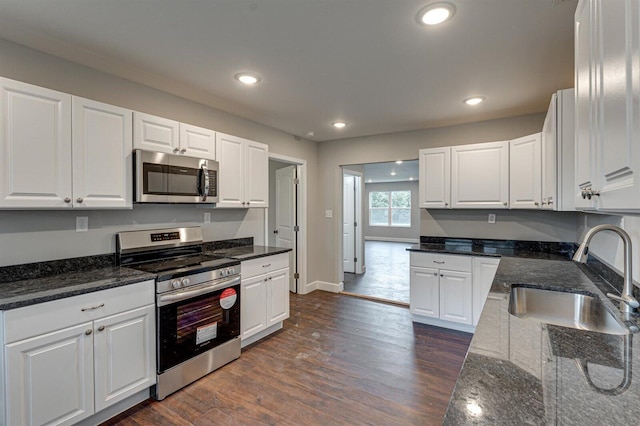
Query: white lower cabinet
point(264, 297)
point(71, 358)
point(449, 290)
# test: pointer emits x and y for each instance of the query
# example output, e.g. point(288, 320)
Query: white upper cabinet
point(35, 143)
point(243, 173)
point(435, 178)
point(159, 134)
point(102, 164)
point(607, 105)
point(480, 176)
point(525, 172)
point(558, 151)
point(50, 164)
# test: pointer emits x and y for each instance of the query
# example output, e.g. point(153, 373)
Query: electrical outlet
point(82, 223)
point(492, 218)
point(328, 213)
point(207, 217)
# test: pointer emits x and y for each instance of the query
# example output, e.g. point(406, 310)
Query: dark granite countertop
point(249, 252)
point(521, 371)
point(16, 294)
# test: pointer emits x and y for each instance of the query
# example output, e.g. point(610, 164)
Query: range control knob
point(223, 272)
point(186, 282)
point(231, 271)
point(175, 283)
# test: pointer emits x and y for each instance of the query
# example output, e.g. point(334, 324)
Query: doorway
point(286, 216)
point(389, 222)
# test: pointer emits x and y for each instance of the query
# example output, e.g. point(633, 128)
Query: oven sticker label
point(228, 298)
point(206, 333)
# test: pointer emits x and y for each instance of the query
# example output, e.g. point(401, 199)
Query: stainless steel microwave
point(169, 178)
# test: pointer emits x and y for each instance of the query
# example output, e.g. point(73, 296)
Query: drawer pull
point(439, 263)
point(92, 308)
point(101, 328)
point(88, 332)
point(266, 266)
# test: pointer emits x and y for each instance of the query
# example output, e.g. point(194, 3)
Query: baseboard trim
point(324, 285)
point(444, 324)
point(394, 240)
point(260, 335)
point(117, 408)
point(375, 299)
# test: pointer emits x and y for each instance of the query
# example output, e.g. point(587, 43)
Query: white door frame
point(358, 184)
point(302, 217)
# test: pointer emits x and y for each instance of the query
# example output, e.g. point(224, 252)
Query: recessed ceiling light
point(399, 162)
point(339, 124)
point(247, 78)
point(474, 101)
point(311, 134)
point(393, 173)
point(436, 13)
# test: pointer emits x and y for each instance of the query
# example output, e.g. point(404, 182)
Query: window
point(390, 208)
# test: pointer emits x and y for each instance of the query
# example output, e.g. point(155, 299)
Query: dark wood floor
point(387, 272)
point(338, 361)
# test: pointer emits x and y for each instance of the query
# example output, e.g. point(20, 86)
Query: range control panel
point(165, 236)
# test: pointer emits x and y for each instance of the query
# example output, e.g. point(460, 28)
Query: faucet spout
point(627, 302)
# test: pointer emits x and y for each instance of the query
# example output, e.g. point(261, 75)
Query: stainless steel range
point(197, 302)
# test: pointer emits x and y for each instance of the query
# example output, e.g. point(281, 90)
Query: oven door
point(194, 320)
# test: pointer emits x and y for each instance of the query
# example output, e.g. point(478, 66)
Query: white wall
point(30, 236)
point(392, 232)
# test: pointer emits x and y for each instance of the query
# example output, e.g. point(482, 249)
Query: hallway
point(387, 272)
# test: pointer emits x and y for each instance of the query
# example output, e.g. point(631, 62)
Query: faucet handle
point(629, 300)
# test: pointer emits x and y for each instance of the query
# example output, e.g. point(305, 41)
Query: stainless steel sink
point(574, 310)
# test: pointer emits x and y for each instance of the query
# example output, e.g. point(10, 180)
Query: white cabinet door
point(456, 290)
point(50, 378)
point(585, 105)
point(617, 131)
point(256, 174)
point(277, 296)
point(435, 177)
point(197, 142)
point(230, 155)
point(155, 133)
point(253, 305)
point(102, 144)
point(484, 270)
point(125, 356)
point(480, 176)
point(525, 172)
point(549, 157)
point(35, 146)
point(424, 292)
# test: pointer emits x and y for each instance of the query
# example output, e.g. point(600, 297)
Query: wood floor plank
point(337, 361)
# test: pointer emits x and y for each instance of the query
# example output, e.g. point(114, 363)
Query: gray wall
point(405, 146)
point(392, 232)
point(41, 235)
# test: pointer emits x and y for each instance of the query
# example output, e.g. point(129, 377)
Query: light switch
point(82, 223)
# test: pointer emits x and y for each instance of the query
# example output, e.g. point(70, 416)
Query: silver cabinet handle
point(175, 150)
point(101, 328)
point(439, 263)
point(248, 202)
point(505, 203)
point(536, 203)
point(92, 308)
point(88, 332)
point(265, 280)
point(446, 204)
point(183, 150)
point(79, 200)
point(270, 278)
point(67, 200)
point(266, 266)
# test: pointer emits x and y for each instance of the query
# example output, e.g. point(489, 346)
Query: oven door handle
point(188, 294)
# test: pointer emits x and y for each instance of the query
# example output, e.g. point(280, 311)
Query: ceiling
point(381, 172)
point(367, 62)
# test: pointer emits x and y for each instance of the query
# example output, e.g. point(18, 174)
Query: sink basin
point(575, 310)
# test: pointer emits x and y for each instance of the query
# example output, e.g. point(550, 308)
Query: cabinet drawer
point(45, 317)
point(442, 261)
point(262, 265)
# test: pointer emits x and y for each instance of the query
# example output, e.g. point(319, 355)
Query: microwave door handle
point(204, 182)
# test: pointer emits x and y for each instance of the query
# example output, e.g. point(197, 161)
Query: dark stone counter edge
point(250, 256)
point(70, 291)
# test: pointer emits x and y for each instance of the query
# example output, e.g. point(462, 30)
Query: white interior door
point(358, 238)
point(348, 220)
point(286, 215)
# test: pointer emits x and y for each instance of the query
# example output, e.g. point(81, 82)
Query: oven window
point(196, 316)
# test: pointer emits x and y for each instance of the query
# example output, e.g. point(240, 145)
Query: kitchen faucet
point(627, 302)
